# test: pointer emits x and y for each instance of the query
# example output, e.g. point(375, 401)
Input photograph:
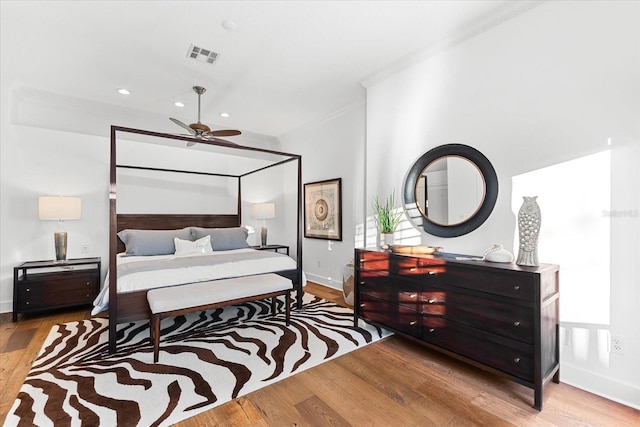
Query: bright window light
point(574, 198)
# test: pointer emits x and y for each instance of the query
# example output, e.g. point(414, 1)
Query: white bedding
point(210, 271)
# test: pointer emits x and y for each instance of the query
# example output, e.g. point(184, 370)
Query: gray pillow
point(152, 242)
point(224, 239)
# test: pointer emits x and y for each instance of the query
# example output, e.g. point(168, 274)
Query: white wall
point(333, 148)
point(548, 86)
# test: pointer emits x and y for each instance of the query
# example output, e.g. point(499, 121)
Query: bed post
point(299, 245)
point(239, 201)
point(113, 223)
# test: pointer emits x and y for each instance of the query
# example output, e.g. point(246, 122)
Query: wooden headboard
point(173, 222)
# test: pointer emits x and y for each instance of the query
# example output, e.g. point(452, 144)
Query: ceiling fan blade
point(224, 132)
point(179, 123)
point(213, 138)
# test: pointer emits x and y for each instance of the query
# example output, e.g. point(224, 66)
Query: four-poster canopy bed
point(133, 305)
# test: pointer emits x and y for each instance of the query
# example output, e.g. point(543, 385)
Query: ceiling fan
point(200, 130)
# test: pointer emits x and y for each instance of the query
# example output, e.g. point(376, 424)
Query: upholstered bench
point(177, 300)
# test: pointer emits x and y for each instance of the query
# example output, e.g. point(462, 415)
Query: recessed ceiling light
point(224, 115)
point(123, 91)
point(229, 25)
point(178, 104)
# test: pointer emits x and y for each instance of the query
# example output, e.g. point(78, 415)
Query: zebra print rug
point(206, 359)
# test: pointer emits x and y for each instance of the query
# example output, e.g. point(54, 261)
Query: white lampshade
point(263, 211)
point(59, 208)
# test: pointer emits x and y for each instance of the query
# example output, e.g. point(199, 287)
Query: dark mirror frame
point(491, 190)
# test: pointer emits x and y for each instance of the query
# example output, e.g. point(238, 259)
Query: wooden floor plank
point(19, 340)
point(317, 413)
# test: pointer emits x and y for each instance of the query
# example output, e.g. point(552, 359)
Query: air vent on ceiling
point(203, 55)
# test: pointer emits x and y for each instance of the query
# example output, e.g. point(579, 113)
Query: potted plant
point(388, 218)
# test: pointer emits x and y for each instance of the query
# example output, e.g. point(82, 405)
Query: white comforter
point(209, 270)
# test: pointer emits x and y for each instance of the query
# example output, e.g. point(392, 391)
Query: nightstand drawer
point(56, 290)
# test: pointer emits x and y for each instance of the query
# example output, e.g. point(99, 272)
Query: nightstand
point(47, 285)
point(275, 248)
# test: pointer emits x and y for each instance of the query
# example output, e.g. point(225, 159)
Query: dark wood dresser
point(47, 285)
point(499, 316)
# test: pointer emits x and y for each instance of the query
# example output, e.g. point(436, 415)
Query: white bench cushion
point(162, 300)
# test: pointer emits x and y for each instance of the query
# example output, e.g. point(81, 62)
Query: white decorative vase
point(497, 253)
point(529, 220)
point(386, 240)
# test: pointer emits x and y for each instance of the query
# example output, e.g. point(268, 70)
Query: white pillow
point(187, 247)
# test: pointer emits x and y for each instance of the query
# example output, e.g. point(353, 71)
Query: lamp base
point(60, 239)
point(263, 236)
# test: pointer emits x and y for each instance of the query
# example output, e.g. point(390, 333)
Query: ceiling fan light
point(229, 25)
point(123, 91)
point(178, 104)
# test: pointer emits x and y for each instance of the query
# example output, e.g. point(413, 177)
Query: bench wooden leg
point(287, 307)
point(155, 334)
point(274, 305)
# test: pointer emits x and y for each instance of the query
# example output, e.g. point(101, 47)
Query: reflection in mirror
point(450, 190)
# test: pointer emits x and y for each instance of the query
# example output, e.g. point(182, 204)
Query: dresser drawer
point(510, 356)
point(502, 318)
point(391, 289)
point(385, 263)
point(506, 284)
point(400, 317)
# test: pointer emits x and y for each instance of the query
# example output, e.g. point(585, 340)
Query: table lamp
point(263, 211)
point(59, 208)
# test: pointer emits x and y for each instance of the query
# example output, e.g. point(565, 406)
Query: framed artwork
point(323, 209)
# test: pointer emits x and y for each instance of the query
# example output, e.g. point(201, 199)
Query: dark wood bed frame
point(134, 306)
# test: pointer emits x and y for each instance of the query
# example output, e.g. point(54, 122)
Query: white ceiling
point(288, 64)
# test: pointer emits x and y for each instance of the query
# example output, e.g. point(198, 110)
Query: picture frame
point(323, 209)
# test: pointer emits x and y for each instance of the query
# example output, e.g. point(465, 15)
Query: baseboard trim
point(609, 388)
point(325, 281)
point(6, 306)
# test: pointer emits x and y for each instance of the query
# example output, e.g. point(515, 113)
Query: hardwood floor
point(394, 382)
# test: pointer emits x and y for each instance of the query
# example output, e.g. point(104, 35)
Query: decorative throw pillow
point(152, 242)
point(187, 247)
point(224, 239)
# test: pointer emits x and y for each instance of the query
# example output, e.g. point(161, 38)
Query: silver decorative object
point(529, 227)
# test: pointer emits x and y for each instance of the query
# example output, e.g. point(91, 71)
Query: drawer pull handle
point(431, 301)
point(432, 273)
point(432, 330)
point(516, 323)
point(413, 269)
point(516, 360)
point(88, 283)
point(413, 295)
point(362, 282)
point(362, 305)
point(516, 287)
point(413, 322)
point(28, 289)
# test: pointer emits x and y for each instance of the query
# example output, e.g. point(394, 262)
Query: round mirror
point(450, 190)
